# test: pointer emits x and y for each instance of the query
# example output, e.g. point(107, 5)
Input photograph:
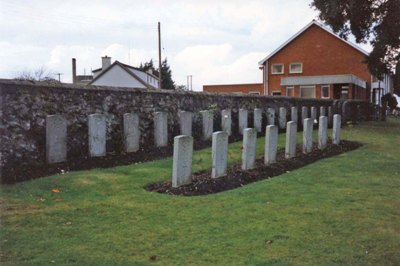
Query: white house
point(118, 74)
point(380, 88)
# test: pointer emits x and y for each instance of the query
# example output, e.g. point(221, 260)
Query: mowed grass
point(340, 210)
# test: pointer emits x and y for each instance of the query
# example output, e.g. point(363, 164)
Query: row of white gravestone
point(56, 129)
point(183, 148)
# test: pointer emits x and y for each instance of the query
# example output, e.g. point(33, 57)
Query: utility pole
point(159, 56)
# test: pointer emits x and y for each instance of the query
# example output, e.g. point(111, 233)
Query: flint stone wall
point(25, 105)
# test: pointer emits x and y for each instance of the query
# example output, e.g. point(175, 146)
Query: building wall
point(118, 77)
point(321, 54)
point(235, 88)
point(145, 77)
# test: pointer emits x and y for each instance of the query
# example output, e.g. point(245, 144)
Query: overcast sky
point(217, 42)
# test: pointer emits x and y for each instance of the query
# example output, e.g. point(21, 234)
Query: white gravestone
point(313, 113)
point(219, 154)
point(56, 139)
point(186, 119)
point(131, 132)
point(182, 161)
point(322, 132)
point(322, 111)
point(249, 148)
point(97, 135)
point(294, 114)
point(337, 121)
point(161, 129)
point(243, 120)
point(258, 119)
point(226, 121)
point(208, 124)
point(290, 147)
point(304, 113)
point(271, 144)
point(282, 117)
point(271, 116)
point(307, 135)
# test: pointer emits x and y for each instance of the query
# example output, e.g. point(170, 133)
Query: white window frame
point(329, 92)
point(295, 72)
point(277, 73)
point(273, 92)
point(289, 87)
point(344, 90)
point(307, 86)
point(254, 92)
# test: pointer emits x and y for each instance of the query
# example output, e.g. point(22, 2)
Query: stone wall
point(25, 105)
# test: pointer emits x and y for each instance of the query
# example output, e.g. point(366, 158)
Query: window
point(344, 94)
point(296, 68)
point(290, 91)
point(254, 92)
point(277, 69)
point(307, 91)
point(276, 93)
point(325, 91)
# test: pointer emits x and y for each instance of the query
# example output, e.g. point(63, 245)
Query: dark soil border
point(203, 184)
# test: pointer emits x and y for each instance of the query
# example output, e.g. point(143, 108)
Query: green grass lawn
point(340, 210)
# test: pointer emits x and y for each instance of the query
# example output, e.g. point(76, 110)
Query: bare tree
point(40, 74)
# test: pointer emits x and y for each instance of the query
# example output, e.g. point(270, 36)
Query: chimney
point(105, 62)
point(73, 70)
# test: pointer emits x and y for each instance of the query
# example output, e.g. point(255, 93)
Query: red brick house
point(251, 88)
point(316, 63)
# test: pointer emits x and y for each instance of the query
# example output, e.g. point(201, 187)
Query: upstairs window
point(277, 69)
point(296, 68)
